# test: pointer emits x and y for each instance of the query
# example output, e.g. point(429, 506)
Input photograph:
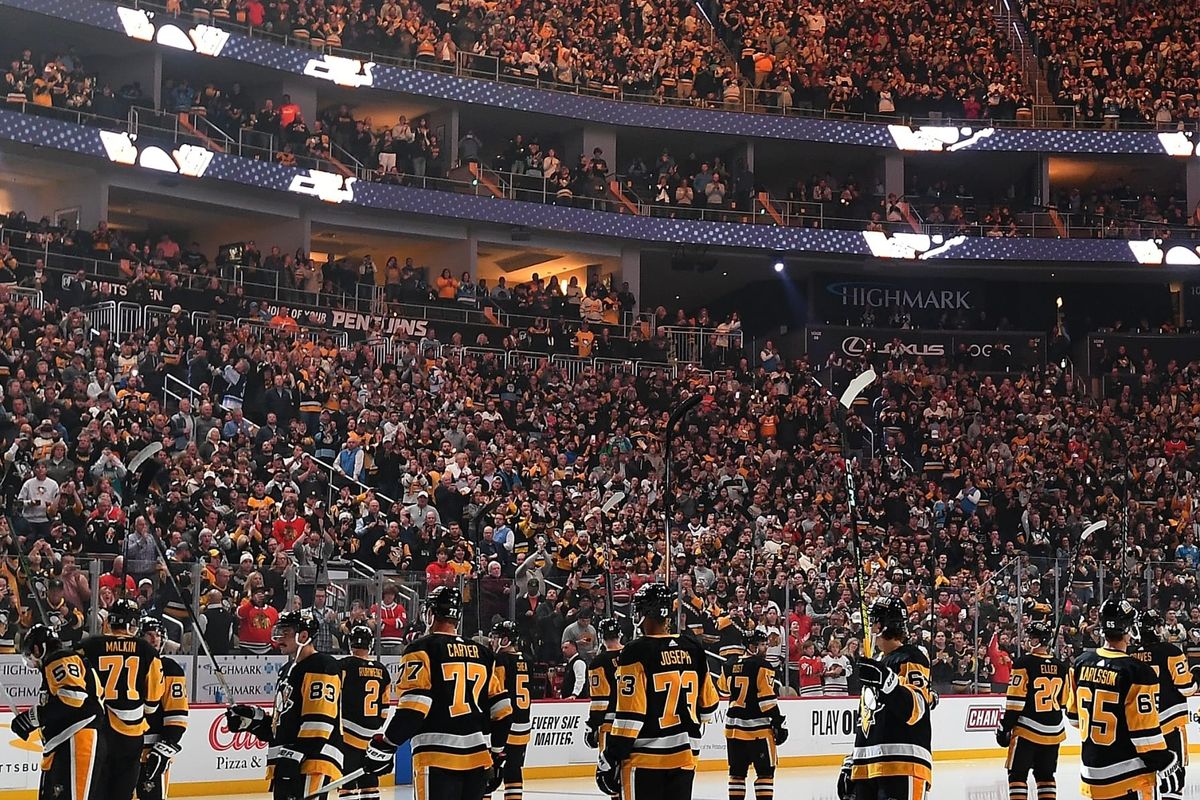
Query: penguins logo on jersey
point(283, 703)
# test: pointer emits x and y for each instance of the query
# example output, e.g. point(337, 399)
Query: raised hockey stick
point(1071, 563)
point(345, 780)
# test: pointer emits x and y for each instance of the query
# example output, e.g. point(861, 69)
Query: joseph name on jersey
point(169, 722)
point(664, 693)
point(307, 718)
point(1036, 697)
point(512, 670)
point(366, 696)
point(753, 707)
point(895, 738)
point(602, 677)
point(69, 700)
point(1111, 699)
point(131, 679)
point(1175, 683)
point(450, 696)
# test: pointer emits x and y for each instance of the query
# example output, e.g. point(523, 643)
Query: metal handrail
point(753, 101)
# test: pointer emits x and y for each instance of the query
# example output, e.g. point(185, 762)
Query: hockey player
point(891, 758)
point(1111, 699)
point(366, 697)
point(1175, 685)
point(754, 726)
point(167, 725)
point(513, 672)
point(131, 677)
point(1032, 727)
point(449, 694)
point(602, 684)
point(304, 730)
point(664, 694)
point(70, 718)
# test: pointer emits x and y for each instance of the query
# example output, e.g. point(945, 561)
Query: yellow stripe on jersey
point(600, 689)
point(66, 679)
point(915, 678)
point(766, 689)
point(1016, 693)
point(175, 702)
point(1181, 675)
point(1141, 718)
point(415, 673)
point(320, 700)
point(631, 700)
point(500, 704)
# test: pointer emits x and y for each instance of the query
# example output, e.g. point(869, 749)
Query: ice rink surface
point(953, 780)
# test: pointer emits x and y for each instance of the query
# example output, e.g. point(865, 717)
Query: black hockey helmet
point(149, 624)
point(1151, 627)
point(445, 602)
point(124, 614)
point(608, 629)
point(755, 637)
point(1117, 617)
point(505, 629)
point(891, 615)
point(298, 621)
point(360, 638)
point(654, 601)
point(39, 641)
point(1039, 632)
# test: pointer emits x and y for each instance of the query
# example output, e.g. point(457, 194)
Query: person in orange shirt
point(447, 287)
point(585, 340)
point(768, 425)
point(283, 319)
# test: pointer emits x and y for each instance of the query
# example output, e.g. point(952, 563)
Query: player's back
point(70, 698)
point(1038, 694)
point(752, 703)
point(1175, 683)
point(1112, 701)
point(452, 682)
point(307, 714)
point(366, 696)
point(895, 737)
point(664, 692)
point(602, 681)
point(512, 670)
point(170, 720)
point(131, 679)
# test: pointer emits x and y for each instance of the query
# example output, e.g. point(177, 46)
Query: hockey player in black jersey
point(450, 700)
point(891, 758)
point(1111, 699)
point(70, 718)
point(131, 680)
point(1175, 685)
point(366, 698)
point(304, 730)
point(602, 684)
point(1032, 726)
point(754, 725)
point(167, 724)
point(664, 694)
point(513, 671)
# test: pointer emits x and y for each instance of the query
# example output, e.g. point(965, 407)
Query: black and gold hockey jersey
point(664, 693)
point(895, 736)
point(169, 722)
point(366, 697)
point(450, 699)
point(307, 716)
point(1111, 699)
point(602, 682)
point(131, 679)
point(69, 700)
point(1036, 697)
point(731, 641)
point(753, 707)
point(1175, 683)
point(513, 672)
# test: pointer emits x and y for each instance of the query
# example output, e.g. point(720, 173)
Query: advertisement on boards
point(985, 351)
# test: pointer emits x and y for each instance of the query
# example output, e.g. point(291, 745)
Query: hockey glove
point(496, 774)
point(158, 758)
point(872, 673)
point(608, 777)
point(241, 718)
point(25, 723)
point(380, 758)
point(1003, 736)
point(591, 737)
point(1170, 777)
point(845, 785)
point(286, 762)
point(780, 731)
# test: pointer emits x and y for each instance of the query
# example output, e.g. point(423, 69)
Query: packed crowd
point(60, 81)
point(1116, 63)
point(543, 492)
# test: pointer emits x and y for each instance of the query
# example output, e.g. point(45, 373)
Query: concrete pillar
point(1042, 193)
point(583, 141)
point(631, 272)
point(893, 174)
point(1193, 183)
point(142, 66)
point(443, 123)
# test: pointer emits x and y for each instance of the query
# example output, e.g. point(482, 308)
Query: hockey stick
point(1071, 563)
point(217, 671)
point(345, 780)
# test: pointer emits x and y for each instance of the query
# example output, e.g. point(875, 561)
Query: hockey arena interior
point(651, 400)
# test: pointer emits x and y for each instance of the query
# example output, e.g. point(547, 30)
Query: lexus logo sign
point(855, 346)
